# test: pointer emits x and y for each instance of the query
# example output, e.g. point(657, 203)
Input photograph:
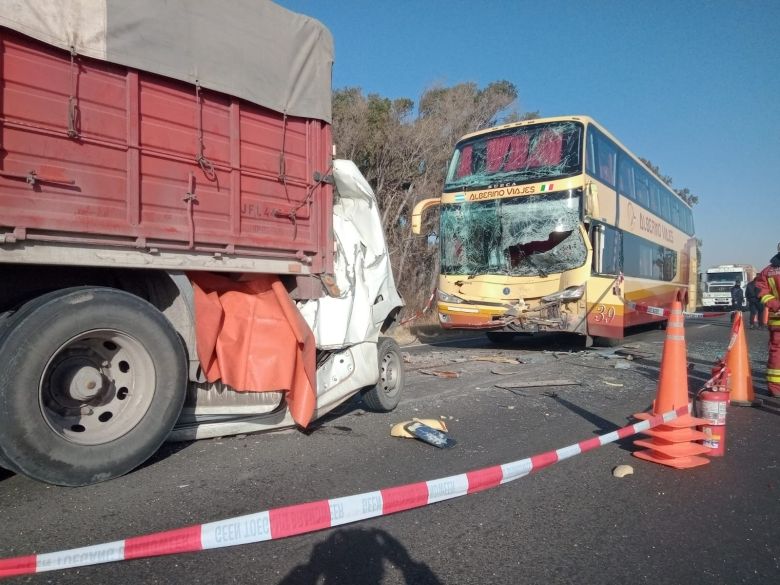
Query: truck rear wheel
point(92, 380)
point(386, 394)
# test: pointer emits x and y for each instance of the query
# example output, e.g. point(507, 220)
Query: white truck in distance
point(719, 280)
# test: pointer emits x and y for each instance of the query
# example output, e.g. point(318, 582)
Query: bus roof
point(575, 118)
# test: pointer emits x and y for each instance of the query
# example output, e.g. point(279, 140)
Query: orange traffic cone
point(673, 443)
point(740, 383)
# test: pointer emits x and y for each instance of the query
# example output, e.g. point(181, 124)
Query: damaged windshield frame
point(498, 236)
point(528, 151)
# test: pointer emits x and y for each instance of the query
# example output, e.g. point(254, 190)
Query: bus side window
point(670, 265)
point(607, 156)
point(676, 213)
point(655, 198)
point(625, 176)
point(591, 155)
point(606, 242)
point(666, 200)
point(642, 186)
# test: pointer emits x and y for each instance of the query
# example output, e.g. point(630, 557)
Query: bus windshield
point(533, 235)
point(524, 154)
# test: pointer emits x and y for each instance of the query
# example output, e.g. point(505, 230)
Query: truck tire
point(92, 380)
point(386, 394)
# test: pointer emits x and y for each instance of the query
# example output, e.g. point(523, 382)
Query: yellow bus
point(553, 225)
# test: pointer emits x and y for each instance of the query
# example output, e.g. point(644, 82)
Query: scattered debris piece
point(538, 384)
point(440, 373)
point(407, 357)
point(613, 384)
point(399, 430)
point(496, 359)
point(623, 470)
point(429, 435)
point(622, 366)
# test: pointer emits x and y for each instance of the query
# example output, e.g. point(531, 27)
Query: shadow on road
point(602, 425)
point(359, 555)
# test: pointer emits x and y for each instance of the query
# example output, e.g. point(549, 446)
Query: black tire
point(500, 337)
point(92, 380)
point(386, 394)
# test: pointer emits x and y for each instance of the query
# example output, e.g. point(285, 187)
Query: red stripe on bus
point(404, 497)
point(483, 479)
point(163, 543)
point(299, 519)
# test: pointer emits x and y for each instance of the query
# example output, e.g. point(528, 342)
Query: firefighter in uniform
point(768, 282)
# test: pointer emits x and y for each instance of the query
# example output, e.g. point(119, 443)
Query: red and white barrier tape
point(661, 312)
point(658, 311)
point(419, 314)
point(314, 516)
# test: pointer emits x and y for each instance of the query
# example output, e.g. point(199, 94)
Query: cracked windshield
point(535, 235)
point(525, 154)
point(526, 236)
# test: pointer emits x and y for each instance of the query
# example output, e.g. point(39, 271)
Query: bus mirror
point(419, 210)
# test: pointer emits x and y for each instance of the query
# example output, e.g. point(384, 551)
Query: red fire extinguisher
point(713, 399)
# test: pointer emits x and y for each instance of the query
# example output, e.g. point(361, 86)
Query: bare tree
point(404, 153)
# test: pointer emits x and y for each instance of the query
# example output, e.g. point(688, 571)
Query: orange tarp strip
point(251, 336)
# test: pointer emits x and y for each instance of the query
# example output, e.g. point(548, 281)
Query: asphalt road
point(570, 523)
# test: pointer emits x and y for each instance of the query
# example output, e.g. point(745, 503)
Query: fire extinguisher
point(713, 399)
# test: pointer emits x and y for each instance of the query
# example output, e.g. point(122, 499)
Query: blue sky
point(692, 86)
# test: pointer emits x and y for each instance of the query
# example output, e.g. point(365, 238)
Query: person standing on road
point(768, 282)
point(737, 297)
point(754, 305)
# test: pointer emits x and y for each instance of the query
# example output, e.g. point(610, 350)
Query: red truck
point(177, 246)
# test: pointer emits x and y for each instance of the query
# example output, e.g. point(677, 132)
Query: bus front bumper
point(551, 317)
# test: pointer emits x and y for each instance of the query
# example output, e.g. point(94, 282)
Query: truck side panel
point(99, 154)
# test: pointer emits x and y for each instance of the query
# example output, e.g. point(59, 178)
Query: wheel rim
point(390, 372)
point(97, 387)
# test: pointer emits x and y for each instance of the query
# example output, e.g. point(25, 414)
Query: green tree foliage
point(403, 153)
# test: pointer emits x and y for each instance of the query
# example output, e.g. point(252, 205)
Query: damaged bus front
point(514, 252)
point(532, 237)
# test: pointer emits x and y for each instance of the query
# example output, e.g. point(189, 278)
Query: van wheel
point(386, 394)
point(92, 380)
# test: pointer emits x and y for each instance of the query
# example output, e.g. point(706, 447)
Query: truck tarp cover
point(252, 49)
point(252, 337)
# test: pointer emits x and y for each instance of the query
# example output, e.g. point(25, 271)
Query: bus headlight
point(443, 296)
point(567, 295)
